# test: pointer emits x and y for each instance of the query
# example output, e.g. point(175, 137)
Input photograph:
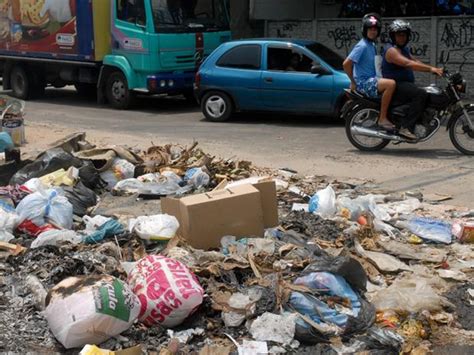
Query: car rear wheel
point(217, 106)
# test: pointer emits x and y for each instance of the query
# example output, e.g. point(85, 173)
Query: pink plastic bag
point(167, 290)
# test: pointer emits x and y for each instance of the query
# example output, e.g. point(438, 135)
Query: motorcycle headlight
point(462, 87)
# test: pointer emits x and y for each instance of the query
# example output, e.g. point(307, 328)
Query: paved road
point(310, 145)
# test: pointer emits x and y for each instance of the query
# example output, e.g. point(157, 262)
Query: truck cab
point(157, 45)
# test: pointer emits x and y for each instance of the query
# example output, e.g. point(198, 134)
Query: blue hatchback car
point(279, 75)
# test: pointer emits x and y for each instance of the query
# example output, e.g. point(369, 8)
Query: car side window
point(242, 57)
point(290, 60)
point(132, 11)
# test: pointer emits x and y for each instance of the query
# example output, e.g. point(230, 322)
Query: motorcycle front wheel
point(364, 117)
point(461, 135)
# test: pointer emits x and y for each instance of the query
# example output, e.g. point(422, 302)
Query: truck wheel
point(20, 84)
point(118, 94)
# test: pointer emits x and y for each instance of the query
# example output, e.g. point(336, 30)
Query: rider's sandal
point(387, 126)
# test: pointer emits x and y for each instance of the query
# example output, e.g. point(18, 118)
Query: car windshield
point(326, 54)
point(190, 15)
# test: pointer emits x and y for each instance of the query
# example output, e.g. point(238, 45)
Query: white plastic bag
point(167, 290)
point(94, 223)
point(155, 228)
point(45, 207)
point(54, 236)
point(90, 310)
point(324, 203)
point(35, 185)
point(412, 294)
point(121, 169)
point(9, 220)
point(128, 186)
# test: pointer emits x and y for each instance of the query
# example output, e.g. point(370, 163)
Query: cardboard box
point(205, 218)
point(267, 188)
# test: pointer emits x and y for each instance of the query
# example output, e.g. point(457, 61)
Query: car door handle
point(268, 80)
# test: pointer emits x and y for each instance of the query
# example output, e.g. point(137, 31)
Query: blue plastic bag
point(327, 284)
point(431, 229)
point(108, 229)
point(6, 141)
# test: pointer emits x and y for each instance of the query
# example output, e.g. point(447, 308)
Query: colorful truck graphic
point(113, 47)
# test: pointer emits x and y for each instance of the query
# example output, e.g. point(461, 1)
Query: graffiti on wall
point(344, 37)
point(456, 42)
point(292, 29)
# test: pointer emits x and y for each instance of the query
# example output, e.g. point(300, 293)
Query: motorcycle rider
point(360, 67)
point(398, 64)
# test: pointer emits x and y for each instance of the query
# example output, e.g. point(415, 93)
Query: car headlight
point(162, 83)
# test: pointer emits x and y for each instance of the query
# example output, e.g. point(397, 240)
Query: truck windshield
point(190, 15)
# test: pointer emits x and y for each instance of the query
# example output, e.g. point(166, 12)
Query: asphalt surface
point(310, 145)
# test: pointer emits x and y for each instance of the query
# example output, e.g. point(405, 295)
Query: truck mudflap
point(171, 83)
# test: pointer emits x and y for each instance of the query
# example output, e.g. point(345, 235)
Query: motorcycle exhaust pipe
point(362, 131)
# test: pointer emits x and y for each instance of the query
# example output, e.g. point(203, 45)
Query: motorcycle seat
point(362, 96)
point(401, 110)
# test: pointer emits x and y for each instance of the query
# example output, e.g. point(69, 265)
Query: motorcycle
point(444, 107)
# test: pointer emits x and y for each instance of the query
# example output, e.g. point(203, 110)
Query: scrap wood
point(12, 249)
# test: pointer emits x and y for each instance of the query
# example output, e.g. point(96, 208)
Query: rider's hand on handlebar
point(353, 87)
point(437, 71)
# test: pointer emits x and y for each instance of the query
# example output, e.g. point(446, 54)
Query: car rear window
point(243, 57)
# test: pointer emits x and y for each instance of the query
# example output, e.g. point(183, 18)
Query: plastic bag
point(346, 317)
point(90, 310)
point(324, 202)
point(54, 236)
point(155, 228)
point(81, 198)
point(429, 229)
point(167, 290)
point(411, 294)
point(197, 177)
point(106, 230)
point(43, 210)
point(121, 169)
point(127, 187)
point(9, 220)
point(48, 162)
point(5, 141)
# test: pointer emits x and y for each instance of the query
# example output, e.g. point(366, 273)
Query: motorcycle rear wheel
point(366, 117)
point(461, 135)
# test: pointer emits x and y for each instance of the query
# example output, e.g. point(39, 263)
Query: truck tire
point(118, 94)
point(20, 83)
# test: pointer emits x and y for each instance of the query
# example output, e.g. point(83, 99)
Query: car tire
point(117, 91)
point(217, 106)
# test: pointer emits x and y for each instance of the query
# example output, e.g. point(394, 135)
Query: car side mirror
point(319, 69)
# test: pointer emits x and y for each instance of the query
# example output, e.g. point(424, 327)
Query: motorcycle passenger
point(398, 64)
point(360, 67)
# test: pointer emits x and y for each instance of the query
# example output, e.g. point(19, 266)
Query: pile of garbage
point(114, 251)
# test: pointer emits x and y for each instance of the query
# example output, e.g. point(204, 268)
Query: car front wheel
point(217, 106)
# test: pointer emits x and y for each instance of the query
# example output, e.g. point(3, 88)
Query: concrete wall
point(282, 9)
point(436, 40)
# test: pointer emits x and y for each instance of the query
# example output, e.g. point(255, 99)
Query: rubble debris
point(373, 273)
point(274, 327)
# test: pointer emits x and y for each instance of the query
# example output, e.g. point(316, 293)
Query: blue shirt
point(396, 72)
point(363, 57)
